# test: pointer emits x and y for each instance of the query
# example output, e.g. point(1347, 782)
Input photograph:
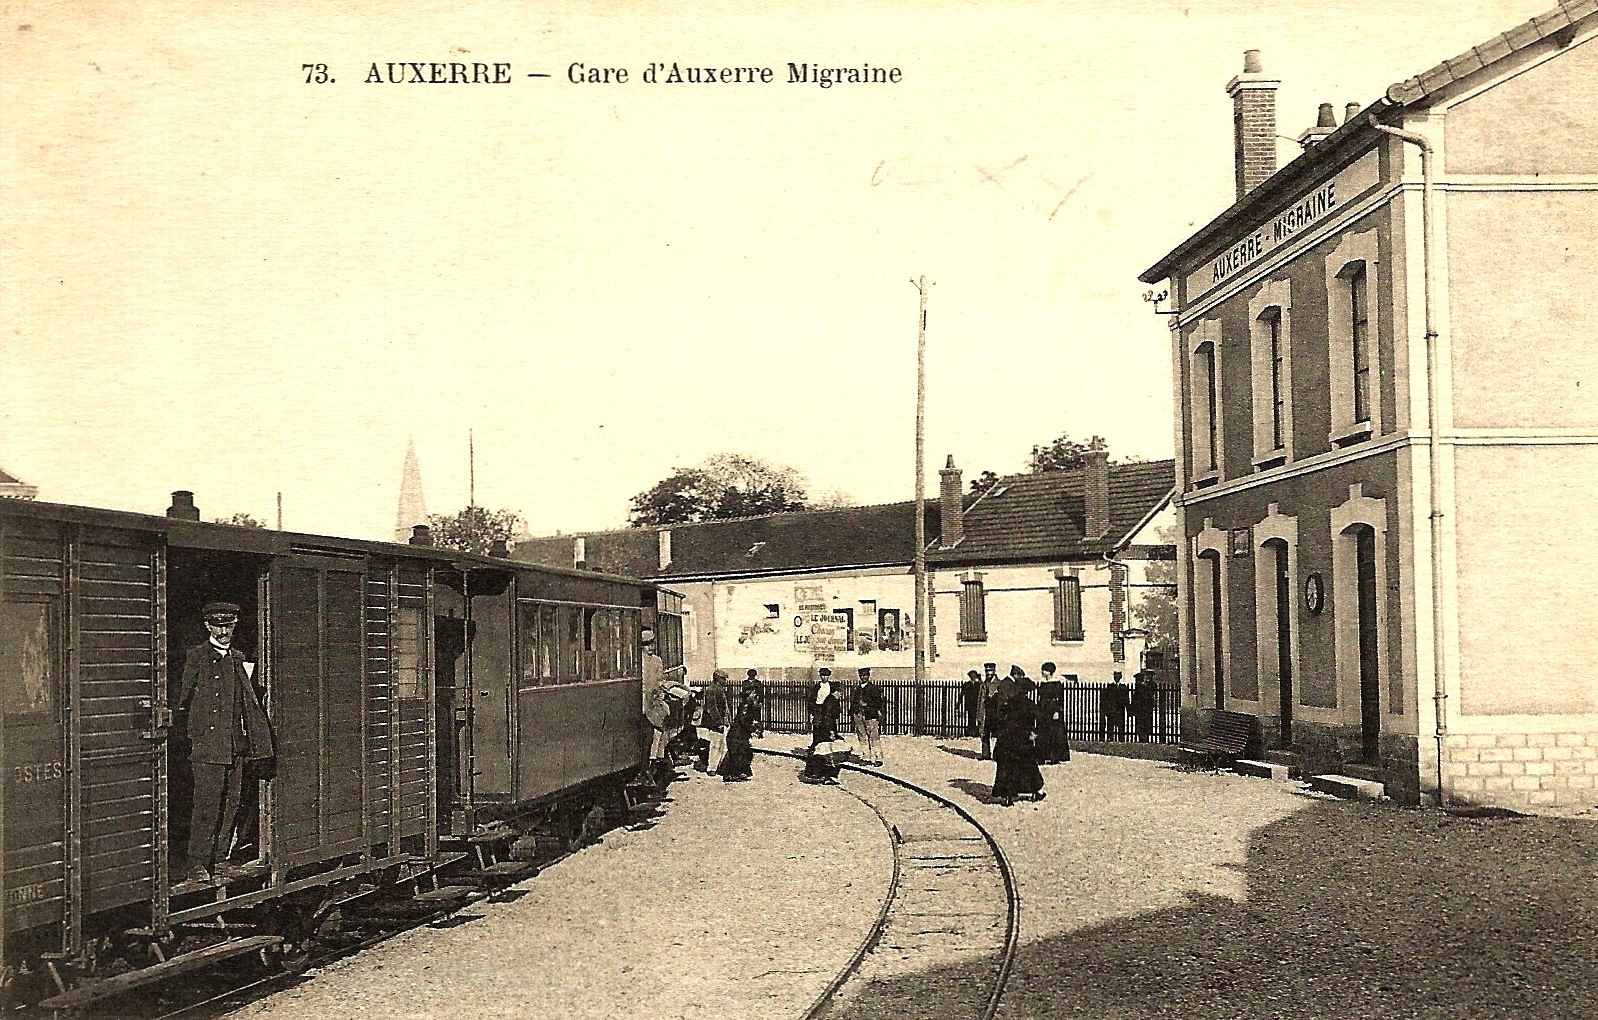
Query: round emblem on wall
point(1314, 594)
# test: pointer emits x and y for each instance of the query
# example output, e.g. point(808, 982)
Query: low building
point(785, 593)
point(1069, 567)
point(1388, 427)
point(15, 488)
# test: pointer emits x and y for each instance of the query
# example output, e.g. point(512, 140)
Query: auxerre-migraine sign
point(816, 630)
point(1319, 203)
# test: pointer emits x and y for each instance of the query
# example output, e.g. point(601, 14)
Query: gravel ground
point(708, 913)
point(1148, 892)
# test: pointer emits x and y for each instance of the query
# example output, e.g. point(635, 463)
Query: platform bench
point(1230, 734)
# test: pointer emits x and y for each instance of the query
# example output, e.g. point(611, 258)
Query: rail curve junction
point(945, 939)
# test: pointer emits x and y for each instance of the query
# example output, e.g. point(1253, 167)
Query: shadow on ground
point(963, 752)
point(981, 792)
point(1349, 912)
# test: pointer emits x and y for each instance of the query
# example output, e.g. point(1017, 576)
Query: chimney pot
point(421, 534)
point(951, 511)
point(1325, 124)
point(183, 508)
point(1253, 124)
point(1325, 118)
point(1095, 494)
point(1350, 112)
point(580, 553)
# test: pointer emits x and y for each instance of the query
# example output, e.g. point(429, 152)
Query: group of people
point(867, 705)
point(732, 717)
point(1117, 700)
point(1022, 724)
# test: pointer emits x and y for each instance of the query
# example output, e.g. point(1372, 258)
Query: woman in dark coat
point(819, 766)
point(1016, 772)
point(737, 765)
point(1052, 746)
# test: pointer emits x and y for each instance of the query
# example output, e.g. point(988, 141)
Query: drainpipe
point(1433, 425)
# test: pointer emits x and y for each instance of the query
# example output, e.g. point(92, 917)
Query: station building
point(754, 588)
point(1387, 418)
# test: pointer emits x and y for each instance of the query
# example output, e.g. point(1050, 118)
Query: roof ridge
point(807, 512)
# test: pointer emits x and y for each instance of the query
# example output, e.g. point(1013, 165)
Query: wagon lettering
point(36, 893)
point(37, 772)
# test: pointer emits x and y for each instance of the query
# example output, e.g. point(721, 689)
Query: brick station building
point(1377, 523)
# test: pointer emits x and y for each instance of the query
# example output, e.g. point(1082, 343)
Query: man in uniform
point(227, 730)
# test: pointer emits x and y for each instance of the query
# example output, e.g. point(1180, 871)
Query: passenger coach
point(415, 693)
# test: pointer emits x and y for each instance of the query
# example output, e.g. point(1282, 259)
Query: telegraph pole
point(921, 512)
point(471, 470)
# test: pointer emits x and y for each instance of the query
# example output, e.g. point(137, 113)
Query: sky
point(216, 276)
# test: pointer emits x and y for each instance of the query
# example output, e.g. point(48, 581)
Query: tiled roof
point(1355, 133)
point(6, 479)
point(773, 543)
point(1039, 517)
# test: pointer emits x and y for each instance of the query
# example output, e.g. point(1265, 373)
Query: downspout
point(1433, 425)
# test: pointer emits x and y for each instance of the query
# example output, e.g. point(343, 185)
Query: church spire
point(412, 507)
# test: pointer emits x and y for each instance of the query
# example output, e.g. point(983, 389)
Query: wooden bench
point(1230, 734)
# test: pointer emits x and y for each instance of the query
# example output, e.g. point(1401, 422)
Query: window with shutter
point(973, 611)
point(1067, 609)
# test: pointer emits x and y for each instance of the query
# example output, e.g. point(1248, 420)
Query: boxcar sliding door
point(318, 640)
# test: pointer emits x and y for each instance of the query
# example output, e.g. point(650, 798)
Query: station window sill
point(1274, 459)
point(1206, 480)
point(1357, 432)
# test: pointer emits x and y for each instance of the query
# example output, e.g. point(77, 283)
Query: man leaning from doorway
point(227, 730)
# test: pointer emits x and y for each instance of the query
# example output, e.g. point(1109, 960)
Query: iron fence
point(940, 708)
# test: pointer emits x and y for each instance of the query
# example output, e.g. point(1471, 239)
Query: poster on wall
point(890, 636)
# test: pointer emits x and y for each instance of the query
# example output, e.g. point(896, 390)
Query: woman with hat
point(737, 765)
point(824, 708)
point(1015, 756)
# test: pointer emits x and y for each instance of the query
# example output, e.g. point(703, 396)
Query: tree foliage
point(723, 486)
point(1155, 612)
point(474, 528)
point(1064, 453)
point(241, 520)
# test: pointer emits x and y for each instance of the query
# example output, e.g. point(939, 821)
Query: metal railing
point(945, 712)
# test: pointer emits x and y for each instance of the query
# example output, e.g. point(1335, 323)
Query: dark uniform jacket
point(224, 705)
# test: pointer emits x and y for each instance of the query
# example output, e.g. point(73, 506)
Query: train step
point(503, 873)
point(183, 964)
point(445, 894)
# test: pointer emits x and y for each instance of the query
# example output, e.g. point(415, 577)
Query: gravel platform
point(709, 912)
point(1153, 893)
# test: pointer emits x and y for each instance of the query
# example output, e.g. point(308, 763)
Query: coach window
point(408, 652)
point(548, 645)
point(631, 662)
point(571, 650)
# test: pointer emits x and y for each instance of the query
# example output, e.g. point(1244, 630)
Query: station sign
point(1311, 207)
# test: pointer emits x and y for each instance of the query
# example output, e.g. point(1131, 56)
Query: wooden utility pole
point(471, 470)
point(921, 513)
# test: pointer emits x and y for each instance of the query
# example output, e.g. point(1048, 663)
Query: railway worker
point(1052, 746)
point(658, 687)
point(867, 706)
point(227, 730)
point(1144, 698)
point(1113, 702)
point(823, 681)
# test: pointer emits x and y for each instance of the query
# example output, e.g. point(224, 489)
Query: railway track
point(945, 939)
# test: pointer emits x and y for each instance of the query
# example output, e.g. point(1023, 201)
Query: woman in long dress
point(1015, 756)
point(819, 764)
point(1052, 746)
point(737, 765)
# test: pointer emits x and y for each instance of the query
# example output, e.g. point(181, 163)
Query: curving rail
point(945, 939)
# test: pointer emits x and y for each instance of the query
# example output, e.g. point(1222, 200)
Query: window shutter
point(973, 615)
point(1068, 609)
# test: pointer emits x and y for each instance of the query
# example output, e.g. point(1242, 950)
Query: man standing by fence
point(867, 707)
point(990, 707)
point(1113, 702)
point(1144, 697)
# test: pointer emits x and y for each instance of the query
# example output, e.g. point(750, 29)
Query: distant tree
point(1064, 453)
point(474, 528)
point(1155, 612)
point(723, 486)
point(983, 482)
point(240, 520)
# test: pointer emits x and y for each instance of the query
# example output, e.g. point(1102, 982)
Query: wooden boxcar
point(414, 693)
